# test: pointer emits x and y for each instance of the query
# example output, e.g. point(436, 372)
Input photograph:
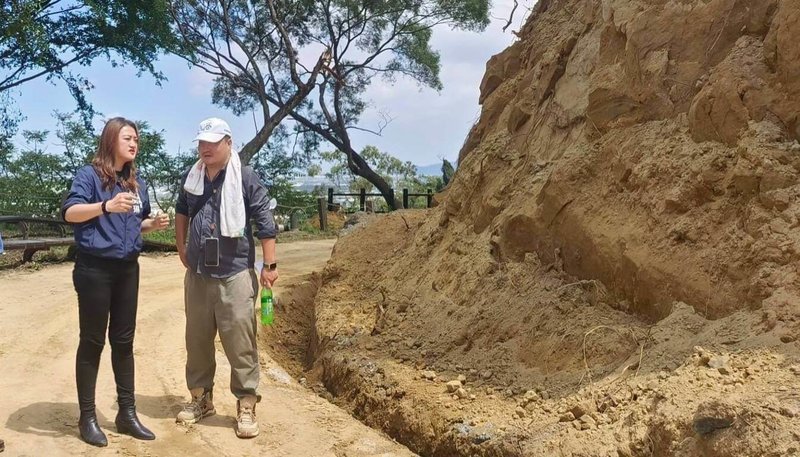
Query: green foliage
point(398, 174)
point(290, 198)
point(48, 39)
point(78, 142)
point(447, 172)
point(308, 228)
point(365, 39)
point(162, 172)
point(314, 170)
point(393, 40)
point(162, 236)
point(254, 63)
point(393, 170)
point(13, 259)
point(33, 181)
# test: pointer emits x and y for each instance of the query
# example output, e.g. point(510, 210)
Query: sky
point(426, 125)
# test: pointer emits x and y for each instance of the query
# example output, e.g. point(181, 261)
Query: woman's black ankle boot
point(129, 424)
point(90, 430)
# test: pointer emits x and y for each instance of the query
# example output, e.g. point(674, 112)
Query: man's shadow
point(168, 407)
point(159, 406)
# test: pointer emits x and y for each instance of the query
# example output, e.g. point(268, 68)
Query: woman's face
point(127, 146)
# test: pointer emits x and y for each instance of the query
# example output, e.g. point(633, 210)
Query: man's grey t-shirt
point(235, 254)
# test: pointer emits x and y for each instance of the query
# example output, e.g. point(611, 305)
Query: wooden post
point(294, 219)
point(430, 198)
point(322, 207)
point(391, 196)
point(330, 198)
point(405, 198)
point(27, 255)
point(362, 199)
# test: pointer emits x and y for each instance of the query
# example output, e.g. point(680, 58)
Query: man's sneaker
point(246, 423)
point(201, 406)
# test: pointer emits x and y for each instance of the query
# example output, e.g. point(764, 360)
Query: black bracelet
point(103, 207)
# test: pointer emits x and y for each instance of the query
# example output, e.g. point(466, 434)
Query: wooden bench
point(30, 246)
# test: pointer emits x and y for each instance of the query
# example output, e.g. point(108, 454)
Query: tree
point(249, 47)
point(32, 181)
point(162, 172)
point(447, 171)
point(49, 38)
point(77, 142)
point(393, 171)
point(255, 52)
point(368, 39)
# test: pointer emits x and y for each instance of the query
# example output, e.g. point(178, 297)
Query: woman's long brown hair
point(103, 160)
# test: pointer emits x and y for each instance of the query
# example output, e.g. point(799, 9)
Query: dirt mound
point(629, 193)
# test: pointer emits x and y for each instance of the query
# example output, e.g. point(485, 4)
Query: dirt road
point(38, 407)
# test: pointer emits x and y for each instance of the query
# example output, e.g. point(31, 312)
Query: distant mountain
point(308, 183)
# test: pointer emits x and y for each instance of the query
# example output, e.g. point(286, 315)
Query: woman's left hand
point(161, 221)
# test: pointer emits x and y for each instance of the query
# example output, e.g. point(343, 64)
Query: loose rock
point(720, 363)
point(453, 386)
point(583, 407)
point(429, 375)
point(712, 416)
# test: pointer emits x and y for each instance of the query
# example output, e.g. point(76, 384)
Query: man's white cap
point(212, 130)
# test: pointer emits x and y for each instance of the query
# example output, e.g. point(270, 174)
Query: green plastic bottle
point(267, 311)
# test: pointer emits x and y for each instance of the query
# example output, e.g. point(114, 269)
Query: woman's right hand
point(121, 203)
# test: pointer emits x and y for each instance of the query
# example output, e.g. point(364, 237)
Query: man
point(217, 200)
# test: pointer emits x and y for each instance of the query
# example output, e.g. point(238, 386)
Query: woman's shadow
point(49, 419)
point(58, 420)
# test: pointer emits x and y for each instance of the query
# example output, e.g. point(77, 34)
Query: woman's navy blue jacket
point(112, 235)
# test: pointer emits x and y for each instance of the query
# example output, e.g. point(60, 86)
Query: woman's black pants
point(108, 292)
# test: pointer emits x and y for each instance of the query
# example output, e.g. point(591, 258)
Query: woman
point(110, 209)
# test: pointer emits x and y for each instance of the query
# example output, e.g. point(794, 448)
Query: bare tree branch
point(511, 16)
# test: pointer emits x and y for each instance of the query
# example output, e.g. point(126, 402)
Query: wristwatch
point(271, 266)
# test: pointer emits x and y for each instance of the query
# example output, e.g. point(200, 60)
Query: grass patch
point(11, 260)
point(303, 235)
point(162, 236)
point(165, 239)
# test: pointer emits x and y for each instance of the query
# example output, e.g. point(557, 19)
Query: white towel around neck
point(232, 211)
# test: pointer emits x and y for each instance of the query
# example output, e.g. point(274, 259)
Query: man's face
point(215, 154)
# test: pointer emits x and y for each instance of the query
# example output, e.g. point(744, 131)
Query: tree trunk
point(252, 147)
point(363, 169)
